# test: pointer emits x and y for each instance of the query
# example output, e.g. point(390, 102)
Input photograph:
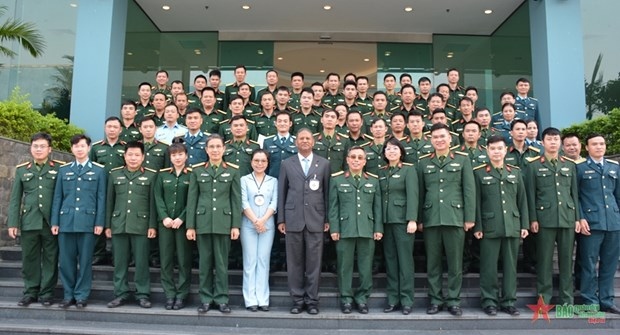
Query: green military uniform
point(165, 90)
point(365, 105)
point(143, 110)
point(331, 100)
point(455, 140)
point(211, 122)
point(519, 159)
point(342, 129)
point(374, 157)
point(447, 200)
point(193, 101)
point(130, 133)
point(130, 213)
point(394, 100)
point(363, 139)
point(311, 121)
point(226, 133)
point(231, 91)
point(214, 207)
point(156, 155)
point(220, 102)
point(263, 91)
point(370, 117)
point(265, 124)
point(477, 155)
point(485, 133)
point(399, 188)
point(421, 104)
point(501, 214)
point(171, 201)
point(240, 153)
point(334, 149)
point(415, 148)
point(456, 95)
point(293, 101)
point(355, 213)
point(553, 202)
point(29, 210)
point(159, 120)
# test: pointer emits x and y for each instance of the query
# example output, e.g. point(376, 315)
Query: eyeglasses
point(37, 147)
point(360, 157)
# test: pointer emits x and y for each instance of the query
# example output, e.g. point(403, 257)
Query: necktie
point(282, 139)
point(306, 166)
point(192, 138)
point(600, 166)
point(441, 159)
point(215, 168)
point(80, 168)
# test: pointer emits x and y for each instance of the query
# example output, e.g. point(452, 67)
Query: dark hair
point(150, 118)
point(515, 122)
point(244, 84)
point(481, 109)
point(177, 146)
point(424, 79)
point(439, 95)
point(441, 85)
point(134, 144)
point(330, 110)
point(506, 93)
point(438, 126)
point(306, 90)
point(349, 83)
point(439, 111)
point(466, 99)
point(332, 74)
point(208, 88)
point(508, 104)
point(342, 105)
point(143, 84)
point(355, 111)
point(350, 74)
point(77, 138)
point(407, 86)
point(522, 80)
point(297, 74)
point(473, 122)
point(316, 83)
point(162, 71)
point(380, 93)
point(238, 117)
point(405, 75)
point(179, 94)
point(550, 131)
point(113, 118)
point(272, 70)
point(396, 142)
point(361, 78)
point(192, 111)
point(128, 103)
point(241, 67)
point(42, 136)
point(415, 113)
point(216, 73)
point(378, 120)
point(160, 93)
point(569, 135)
point(471, 88)
point(452, 69)
point(494, 139)
point(398, 114)
point(591, 136)
point(261, 151)
point(178, 82)
point(283, 89)
point(290, 117)
point(388, 76)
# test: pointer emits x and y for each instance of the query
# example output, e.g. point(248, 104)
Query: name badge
point(591, 171)
point(143, 178)
point(455, 164)
point(225, 174)
point(259, 200)
point(90, 173)
point(52, 172)
point(565, 169)
point(314, 184)
point(395, 176)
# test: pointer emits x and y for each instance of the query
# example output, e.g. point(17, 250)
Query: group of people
point(371, 173)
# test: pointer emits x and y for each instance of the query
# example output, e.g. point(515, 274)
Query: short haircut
point(208, 88)
point(407, 86)
point(278, 113)
point(215, 73)
point(452, 69)
point(304, 130)
point(389, 75)
point(508, 104)
point(178, 95)
point(517, 121)
point(439, 126)
point(160, 93)
point(128, 103)
point(350, 83)
point(355, 111)
point(329, 110)
point(424, 80)
point(214, 137)
point(350, 74)
point(113, 118)
point(192, 111)
point(42, 136)
point(134, 144)
point(471, 88)
point(522, 80)
point(200, 76)
point(298, 74)
point(481, 109)
point(379, 93)
point(528, 121)
point(495, 139)
point(405, 75)
point(396, 114)
point(474, 123)
point(571, 135)
point(342, 105)
point(356, 147)
point(150, 118)
point(236, 97)
point(238, 117)
point(415, 114)
point(241, 67)
point(361, 78)
point(393, 141)
point(161, 71)
point(438, 111)
point(283, 89)
point(316, 83)
point(244, 84)
point(377, 120)
point(440, 86)
point(306, 90)
point(593, 135)
point(272, 70)
point(506, 93)
point(144, 83)
point(439, 95)
point(550, 131)
point(332, 74)
point(466, 99)
point(177, 147)
point(77, 138)
point(261, 151)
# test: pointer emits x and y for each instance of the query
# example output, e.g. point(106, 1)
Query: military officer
point(129, 130)
point(159, 104)
point(211, 115)
point(329, 144)
point(155, 151)
point(356, 221)
point(374, 149)
point(416, 144)
point(78, 217)
point(161, 78)
point(355, 128)
point(265, 121)
point(399, 182)
point(447, 211)
point(236, 107)
point(502, 218)
point(363, 100)
point(519, 151)
point(171, 199)
point(599, 200)
point(333, 96)
point(214, 218)
point(215, 78)
point(171, 128)
point(143, 105)
point(29, 213)
point(195, 139)
point(108, 152)
point(306, 117)
point(380, 111)
point(553, 205)
point(193, 98)
point(524, 103)
point(282, 145)
point(239, 149)
point(130, 221)
point(231, 89)
point(477, 153)
point(456, 92)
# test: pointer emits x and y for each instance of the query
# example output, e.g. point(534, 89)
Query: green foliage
point(19, 121)
point(608, 125)
point(25, 33)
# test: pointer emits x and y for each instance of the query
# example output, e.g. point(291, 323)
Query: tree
point(25, 33)
point(594, 90)
point(58, 97)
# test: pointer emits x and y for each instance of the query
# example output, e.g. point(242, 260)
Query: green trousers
point(546, 240)
point(398, 250)
point(39, 262)
point(213, 252)
point(491, 249)
point(124, 246)
point(345, 250)
point(448, 239)
point(174, 245)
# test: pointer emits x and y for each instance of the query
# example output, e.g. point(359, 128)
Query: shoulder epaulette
point(533, 98)
point(165, 170)
point(533, 148)
point(393, 108)
point(236, 167)
point(367, 114)
point(455, 147)
point(582, 160)
point(229, 141)
point(335, 174)
point(98, 142)
point(514, 166)
point(270, 136)
point(407, 164)
point(250, 121)
point(456, 121)
point(117, 168)
point(221, 111)
point(372, 175)
point(166, 143)
point(426, 133)
point(365, 144)
point(498, 113)
point(253, 103)
point(59, 161)
point(569, 159)
point(149, 169)
point(612, 161)
point(66, 164)
point(479, 166)
point(252, 141)
point(343, 135)
point(424, 156)
point(316, 134)
point(189, 169)
point(461, 153)
point(251, 85)
point(199, 165)
point(531, 159)
point(98, 164)
point(451, 106)
point(22, 164)
point(369, 137)
point(453, 133)
point(225, 121)
point(230, 84)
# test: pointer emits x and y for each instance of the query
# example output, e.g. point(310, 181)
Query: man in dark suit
point(302, 216)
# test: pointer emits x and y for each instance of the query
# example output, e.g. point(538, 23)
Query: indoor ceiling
point(308, 20)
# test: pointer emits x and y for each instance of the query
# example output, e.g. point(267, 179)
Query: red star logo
point(541, 308)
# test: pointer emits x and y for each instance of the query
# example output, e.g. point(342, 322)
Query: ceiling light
point(280, 58)
point(366, 60)
point(488, 11)
point(130, 54)
point(387, 53)
point(408, 9)
point(259, 51)
point(73, 5)
point(372, 85)
point(327, 7)
point(450, 55)
point(246, 7)
point(165, 7)
point(322, 71)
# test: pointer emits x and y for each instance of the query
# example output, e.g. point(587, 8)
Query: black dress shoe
point(406, 310)
point(362, 308)
point(263, 308)
point(390, 308)
point(144, 303)
point(66, 303)
point(46, 302)
point(611, 309)
point(511, 310)
point(154, 263)
point(433, 309)
point(224, 308)
point(313, 310)
point(346, 308)
point(297, 308)
point(178, 304)
point(26, 301)
point(81, 304)
point(455, 310)
point(169, 304)
point(98, 260)
point(253, 308)
point(117, 302)
point(490, 310)
point(203, 308)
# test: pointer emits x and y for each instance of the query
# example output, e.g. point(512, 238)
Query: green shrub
point(608, 125)
point(19, 121)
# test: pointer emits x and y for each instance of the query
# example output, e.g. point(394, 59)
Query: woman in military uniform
point(399, 183)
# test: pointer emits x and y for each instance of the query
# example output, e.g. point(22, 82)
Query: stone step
point(130, 319)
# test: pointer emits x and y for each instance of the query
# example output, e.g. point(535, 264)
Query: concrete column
point(98, 66)
point(557, 61)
